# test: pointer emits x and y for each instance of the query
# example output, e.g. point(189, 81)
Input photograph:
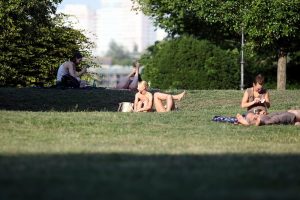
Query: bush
point(188, 63)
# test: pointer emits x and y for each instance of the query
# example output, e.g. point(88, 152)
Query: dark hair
point(260, 79)
point(134, 63)
point(75, 56)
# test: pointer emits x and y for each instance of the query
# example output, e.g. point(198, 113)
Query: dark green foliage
point(188, 63)
point(293, 71)
point(34, 41)
point(269, 25)
point(267, 65)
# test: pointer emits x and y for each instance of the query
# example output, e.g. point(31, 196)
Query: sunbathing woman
point(144, 100)
point(166, 102)
point(132, 79)
point(289, 117)
point(256, 97)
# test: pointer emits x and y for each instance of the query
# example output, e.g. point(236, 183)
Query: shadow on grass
point(132, 176)
point(52, 99)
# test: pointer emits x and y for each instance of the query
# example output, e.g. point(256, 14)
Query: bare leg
point(178, 96)
point(124, 82)
point(145, 104)
point(158, 102)
point(170, 103)
point(139, 105)
point(134, 84)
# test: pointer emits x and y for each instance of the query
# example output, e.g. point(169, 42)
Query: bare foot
point(242, 120)
point(179, 96)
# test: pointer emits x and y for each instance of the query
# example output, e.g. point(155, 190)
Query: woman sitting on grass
point(256, 97)
point(289, 117)
point(144, 100)
point(67, 76)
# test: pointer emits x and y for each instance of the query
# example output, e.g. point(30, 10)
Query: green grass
point(71, 144)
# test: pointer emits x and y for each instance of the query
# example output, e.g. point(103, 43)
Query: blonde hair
point(144, 83)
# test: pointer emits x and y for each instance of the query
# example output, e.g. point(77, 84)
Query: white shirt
point(61, 72)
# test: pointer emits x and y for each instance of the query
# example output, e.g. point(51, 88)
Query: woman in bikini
point(132, 79)
point(163, 102)
point(256, 99)
point(289, 117)
point(166, 102)
point(143, 99)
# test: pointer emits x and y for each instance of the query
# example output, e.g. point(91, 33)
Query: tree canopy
point(269, 25)
point(188, 63)
point(265, 22)
point(118, 54)
point(34, 40)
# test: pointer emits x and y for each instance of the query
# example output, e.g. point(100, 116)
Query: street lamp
point(242, 60)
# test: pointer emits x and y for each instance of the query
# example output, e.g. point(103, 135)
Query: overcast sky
point(95, 4)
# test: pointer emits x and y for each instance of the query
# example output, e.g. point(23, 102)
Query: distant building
point(84, 19)
point(114, 21)
point(117, 22)
point(109, 76)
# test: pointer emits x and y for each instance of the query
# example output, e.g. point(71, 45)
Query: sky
point(95, 4)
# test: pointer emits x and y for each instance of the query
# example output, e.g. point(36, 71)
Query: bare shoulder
point(249, 90)
point(246, 94)
point(68, 64)
point(149, 95)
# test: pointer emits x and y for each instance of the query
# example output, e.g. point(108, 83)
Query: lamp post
point(242, 60)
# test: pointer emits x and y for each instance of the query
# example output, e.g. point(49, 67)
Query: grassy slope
point(71, 150)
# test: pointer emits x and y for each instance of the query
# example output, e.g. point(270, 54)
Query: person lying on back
point(287, 117)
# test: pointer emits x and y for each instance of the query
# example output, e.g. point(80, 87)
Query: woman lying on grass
point(131, 81)
point(238, 119)
point(144, 100)
point(289, 117)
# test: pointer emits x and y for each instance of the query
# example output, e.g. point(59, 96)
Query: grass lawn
point(72, 144)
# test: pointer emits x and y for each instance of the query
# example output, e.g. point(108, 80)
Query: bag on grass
point(125, 107)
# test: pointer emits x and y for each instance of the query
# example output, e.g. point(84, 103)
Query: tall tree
point(119, 55)
point(33, 41)
point(269, 25)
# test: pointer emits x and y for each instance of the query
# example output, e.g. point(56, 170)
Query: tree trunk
point(281, 72)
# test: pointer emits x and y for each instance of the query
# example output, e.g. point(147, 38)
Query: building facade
point(114, 21)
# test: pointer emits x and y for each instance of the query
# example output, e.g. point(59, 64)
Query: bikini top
point(251, 97)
